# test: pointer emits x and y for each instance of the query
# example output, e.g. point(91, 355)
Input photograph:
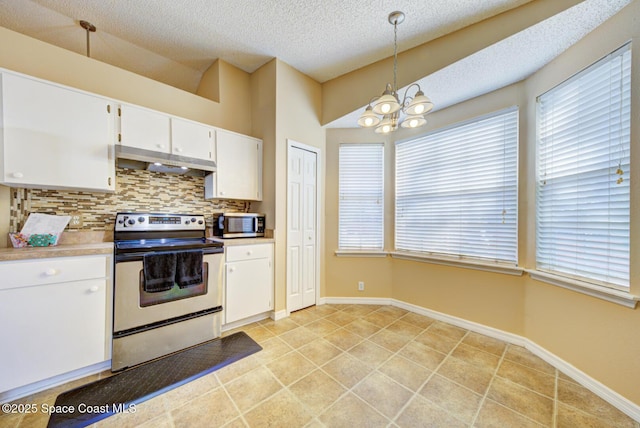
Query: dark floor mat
point(90, 403)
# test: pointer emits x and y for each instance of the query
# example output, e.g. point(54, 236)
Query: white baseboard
point(51, 382)
point(607, 394)
point(279, 315)
point(245, 321)
point(621, 403)
point(355, 301)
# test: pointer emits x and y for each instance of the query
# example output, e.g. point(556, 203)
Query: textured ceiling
point(321, 38)
point(175, 41)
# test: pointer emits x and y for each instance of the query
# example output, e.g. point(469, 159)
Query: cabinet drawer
point(25, 273)
point(248, 252)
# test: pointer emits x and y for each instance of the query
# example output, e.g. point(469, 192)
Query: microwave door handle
point(255, 224)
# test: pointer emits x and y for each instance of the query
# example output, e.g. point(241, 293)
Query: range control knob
point(187, 222)
point(141, 219)
point(200, 221)
point(131, 221)
point(121, 221)
point(193, 219)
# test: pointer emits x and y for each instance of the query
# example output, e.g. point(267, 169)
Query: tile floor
point(367, 366)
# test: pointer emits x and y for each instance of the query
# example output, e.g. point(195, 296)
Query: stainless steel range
point(167, 286)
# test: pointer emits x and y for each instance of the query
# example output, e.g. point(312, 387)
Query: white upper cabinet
point(192, 139)
point(239, 173)
point(144, 129)
point(159, 132)
point(54, 137)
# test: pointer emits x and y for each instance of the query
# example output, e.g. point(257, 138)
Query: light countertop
point(64, 250)
point(229, 242)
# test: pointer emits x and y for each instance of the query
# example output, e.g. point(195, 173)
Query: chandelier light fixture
point(388, 110)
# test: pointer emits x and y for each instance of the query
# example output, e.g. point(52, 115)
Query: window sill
point(463, 263)
point(609, 294)
point(361, 253)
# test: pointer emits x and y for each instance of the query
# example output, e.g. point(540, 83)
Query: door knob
point(50, 272)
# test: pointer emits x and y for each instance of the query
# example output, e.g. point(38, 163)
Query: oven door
point(135, 308)
point(151, 325)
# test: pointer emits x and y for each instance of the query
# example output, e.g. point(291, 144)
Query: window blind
point(583, 164)
point(456, 190)
point(361, 193)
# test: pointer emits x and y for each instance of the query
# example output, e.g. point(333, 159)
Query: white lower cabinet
point(248, 281)
point(53, 313)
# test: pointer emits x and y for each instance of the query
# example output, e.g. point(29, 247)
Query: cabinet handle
point(160, 146)
point(232, 269)
point(17, 175)
point(178, 149)
point(109, 181)
point(249, 252)
point(51, 272)
point(94, 289)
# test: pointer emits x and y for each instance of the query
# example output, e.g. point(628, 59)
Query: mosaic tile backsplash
point(136, 190)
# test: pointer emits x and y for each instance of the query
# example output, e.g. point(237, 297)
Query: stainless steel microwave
point(239, 225)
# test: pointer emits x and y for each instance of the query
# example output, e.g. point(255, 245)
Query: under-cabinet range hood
point(136, 158)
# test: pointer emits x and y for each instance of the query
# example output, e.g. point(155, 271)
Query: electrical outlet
point(360, 285)
point(76, 220)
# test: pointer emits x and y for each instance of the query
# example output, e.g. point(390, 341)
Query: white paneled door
point(302, 220)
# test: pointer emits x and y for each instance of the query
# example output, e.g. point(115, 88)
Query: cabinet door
point(239, 161)
point(249, 288)
point(191, 139)
point(50, 330)
point(144, 129)
point(55, 137)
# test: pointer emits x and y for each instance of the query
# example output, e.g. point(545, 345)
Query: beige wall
point(294, 100)
point(298, 110)
point(595, 336)
point(35, 58)
point(343, 273)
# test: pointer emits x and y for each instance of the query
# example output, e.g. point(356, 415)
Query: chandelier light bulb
point(413, 121)
point(387, 125)
point(368, 118)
